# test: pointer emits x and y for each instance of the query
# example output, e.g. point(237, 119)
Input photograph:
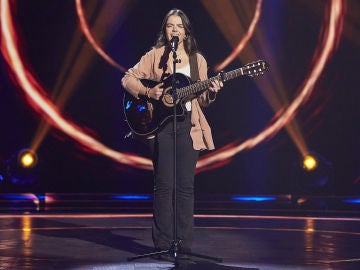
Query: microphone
point(174, 43)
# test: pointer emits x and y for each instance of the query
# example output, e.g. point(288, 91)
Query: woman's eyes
point(171, 26)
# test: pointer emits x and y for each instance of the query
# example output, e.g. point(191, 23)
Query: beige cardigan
point(148, 68)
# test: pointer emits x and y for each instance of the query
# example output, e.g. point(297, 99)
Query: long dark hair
point(190, 43)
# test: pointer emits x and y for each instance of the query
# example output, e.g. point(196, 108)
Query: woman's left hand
point(216, 86)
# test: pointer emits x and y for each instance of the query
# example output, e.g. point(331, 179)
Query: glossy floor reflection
point(98, 241)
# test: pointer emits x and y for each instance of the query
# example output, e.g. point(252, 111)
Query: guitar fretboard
point(251, 69)
point(202, 85)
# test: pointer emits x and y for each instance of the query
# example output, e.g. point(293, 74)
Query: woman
point(193, 132)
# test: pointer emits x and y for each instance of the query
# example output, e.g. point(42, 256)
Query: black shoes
point(183, 254)
point(170, 257)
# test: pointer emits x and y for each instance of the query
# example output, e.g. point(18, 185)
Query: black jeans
point(162, 147)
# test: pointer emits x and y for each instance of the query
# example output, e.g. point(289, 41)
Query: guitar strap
point(194, 69)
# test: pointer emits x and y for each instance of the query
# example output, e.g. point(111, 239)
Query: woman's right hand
point(156, 92)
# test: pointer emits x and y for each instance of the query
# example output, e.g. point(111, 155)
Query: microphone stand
point(174, 251)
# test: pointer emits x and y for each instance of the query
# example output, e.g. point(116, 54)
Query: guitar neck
point(252, 69)
point(202, 85)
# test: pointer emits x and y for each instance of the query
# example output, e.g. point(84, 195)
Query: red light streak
point(237, 50)
point(87, 33)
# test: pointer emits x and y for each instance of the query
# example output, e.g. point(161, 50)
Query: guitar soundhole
point(167, 97)
point(168, 100)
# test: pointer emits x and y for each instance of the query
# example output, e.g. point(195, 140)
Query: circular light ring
point(329, 41)
point(40, 102)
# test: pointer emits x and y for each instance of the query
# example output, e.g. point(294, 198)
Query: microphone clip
point(174, 43)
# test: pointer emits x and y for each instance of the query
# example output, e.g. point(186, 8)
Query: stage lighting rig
point(309, 162)
point(313, 174)
point(21, 168)
point(27, 158)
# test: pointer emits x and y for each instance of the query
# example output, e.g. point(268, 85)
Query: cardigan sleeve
point(142, 70)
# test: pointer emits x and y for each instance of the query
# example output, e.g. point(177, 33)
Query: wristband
point(147, 92)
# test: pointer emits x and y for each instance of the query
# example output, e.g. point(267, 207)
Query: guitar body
point(146, 117)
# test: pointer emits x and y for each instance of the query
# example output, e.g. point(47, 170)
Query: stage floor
point(105, 241)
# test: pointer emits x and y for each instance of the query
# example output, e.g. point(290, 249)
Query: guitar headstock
point(255, 68)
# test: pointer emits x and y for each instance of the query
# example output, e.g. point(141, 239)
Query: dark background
point(270, 168)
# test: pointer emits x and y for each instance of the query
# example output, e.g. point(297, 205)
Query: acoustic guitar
point(146, 116)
